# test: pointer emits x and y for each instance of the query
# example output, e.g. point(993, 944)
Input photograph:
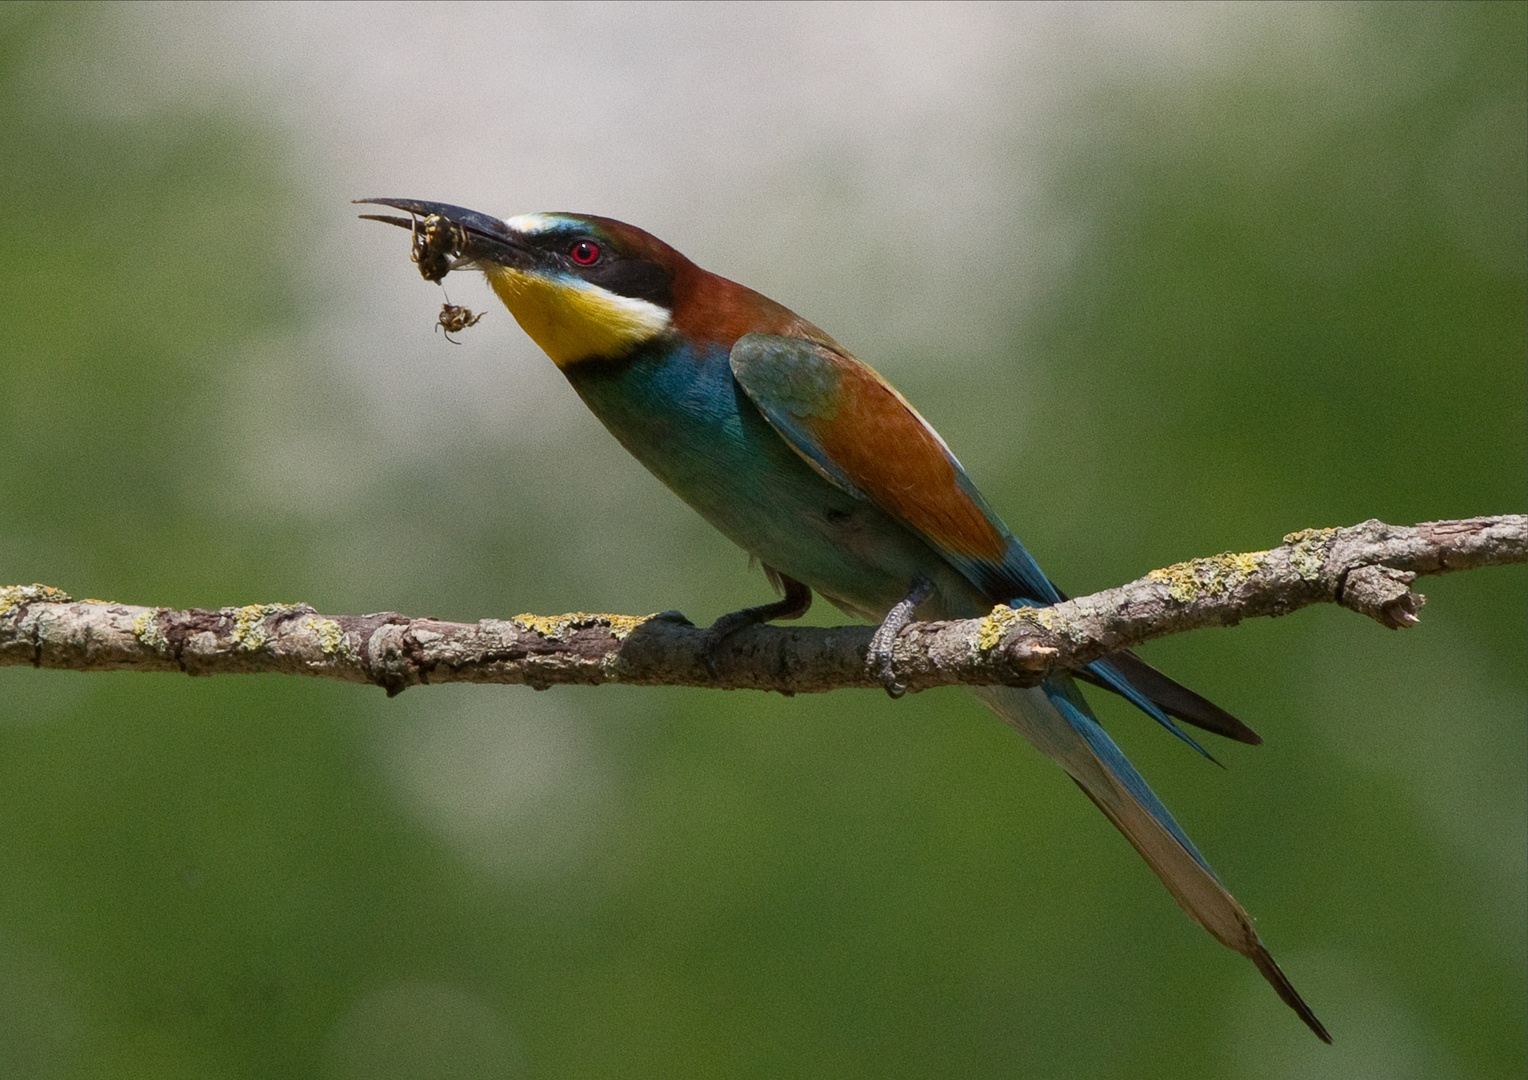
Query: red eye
point(585, 253)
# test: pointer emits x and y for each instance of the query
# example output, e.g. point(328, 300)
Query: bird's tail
point(1059, 723)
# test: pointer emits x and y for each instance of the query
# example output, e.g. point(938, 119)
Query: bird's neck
point(574, 321)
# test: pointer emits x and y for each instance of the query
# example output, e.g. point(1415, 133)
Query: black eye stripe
point(636, 278)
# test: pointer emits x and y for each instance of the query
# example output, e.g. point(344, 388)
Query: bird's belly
point(692, 427)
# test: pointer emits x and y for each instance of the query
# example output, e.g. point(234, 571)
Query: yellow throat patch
point(572, 320)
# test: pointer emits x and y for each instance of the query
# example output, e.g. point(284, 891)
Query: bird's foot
point(878, 658)
point(793, 605)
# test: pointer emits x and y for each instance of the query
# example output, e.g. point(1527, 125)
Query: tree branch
point(1368, 568)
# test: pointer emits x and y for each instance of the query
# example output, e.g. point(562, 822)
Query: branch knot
point(1383, 593)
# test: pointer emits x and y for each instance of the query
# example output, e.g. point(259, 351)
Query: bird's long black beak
point(450, 237)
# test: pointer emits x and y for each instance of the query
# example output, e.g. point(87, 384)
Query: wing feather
point(858, 432)
point(853, 427)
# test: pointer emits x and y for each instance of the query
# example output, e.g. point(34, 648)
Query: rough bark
point(1368, 568)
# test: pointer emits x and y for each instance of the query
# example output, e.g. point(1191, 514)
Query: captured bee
point(438, 246)
point(454, 319)
point(438, 243)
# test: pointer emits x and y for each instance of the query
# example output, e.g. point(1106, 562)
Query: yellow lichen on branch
point(1308, 551)
point(146, 629)
point(994, 626)
point(330, 636)
point(15, 596)
point(555, 627)
point(1212, 576)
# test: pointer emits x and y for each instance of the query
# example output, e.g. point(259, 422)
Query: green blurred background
point(1170, 280)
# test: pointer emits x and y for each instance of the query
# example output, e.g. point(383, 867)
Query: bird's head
point(582, 287)
point(585, 287)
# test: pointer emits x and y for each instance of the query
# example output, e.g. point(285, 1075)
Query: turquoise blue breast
point(682, 414)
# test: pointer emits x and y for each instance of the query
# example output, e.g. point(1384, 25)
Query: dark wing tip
point(1177, 700)
point(1286, 991)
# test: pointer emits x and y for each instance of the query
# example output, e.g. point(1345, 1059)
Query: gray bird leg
point(878, 658)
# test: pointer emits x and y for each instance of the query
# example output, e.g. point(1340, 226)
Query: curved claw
point(878, 656)
point(881, 668)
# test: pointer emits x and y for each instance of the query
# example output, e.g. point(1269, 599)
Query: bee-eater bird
point(812, 463)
